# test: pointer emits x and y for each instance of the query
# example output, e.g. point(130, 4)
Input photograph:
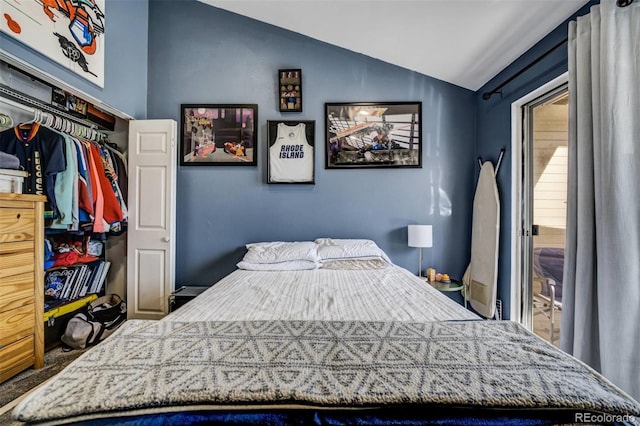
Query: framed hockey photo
point(373, 135)
point(291, 151)
point(218, 135)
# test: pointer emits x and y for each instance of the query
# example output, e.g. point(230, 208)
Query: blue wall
point(125, 84)
point(493, 130)
point(160, 54)
point(200, 54)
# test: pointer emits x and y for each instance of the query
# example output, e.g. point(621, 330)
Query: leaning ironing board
point(481, 276)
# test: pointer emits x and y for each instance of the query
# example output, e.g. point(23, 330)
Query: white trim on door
point(515, 313)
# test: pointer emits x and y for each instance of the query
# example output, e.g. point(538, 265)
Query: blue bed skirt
point(376, 417)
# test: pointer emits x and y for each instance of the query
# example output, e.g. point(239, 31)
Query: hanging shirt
point(118, 161)
point(96, 191)
point(112, 175)
point(85, 198)
point(66, 187)
point(111, 206)
point(42, 155)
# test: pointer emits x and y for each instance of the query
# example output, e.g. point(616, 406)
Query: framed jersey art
point(291, 151)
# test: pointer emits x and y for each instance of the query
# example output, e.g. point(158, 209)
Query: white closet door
point(152, 206)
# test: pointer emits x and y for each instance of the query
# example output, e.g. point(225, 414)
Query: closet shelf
point(21, 100)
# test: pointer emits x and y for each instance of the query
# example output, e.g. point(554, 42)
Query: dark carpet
point(54, 361)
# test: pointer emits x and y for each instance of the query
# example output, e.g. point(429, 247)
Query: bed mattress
point(389, 294)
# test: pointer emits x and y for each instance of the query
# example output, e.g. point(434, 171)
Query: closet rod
point(15, 104)
point(19, 100)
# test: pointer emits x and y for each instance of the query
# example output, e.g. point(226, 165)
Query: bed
point(324, 332)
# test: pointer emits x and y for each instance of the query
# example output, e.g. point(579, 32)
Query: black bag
point(103, 317)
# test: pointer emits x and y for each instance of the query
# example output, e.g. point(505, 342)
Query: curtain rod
point(487, 95)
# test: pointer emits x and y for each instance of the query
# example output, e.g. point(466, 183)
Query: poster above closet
point(70, 33)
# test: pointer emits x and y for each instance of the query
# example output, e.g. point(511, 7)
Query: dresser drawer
point(16, 357)
point(16, 324)
point(16, 225)
point(17, 247)
point(16, 291)
point(16, 263)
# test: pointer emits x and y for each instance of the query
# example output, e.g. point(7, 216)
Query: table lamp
point(420, 236)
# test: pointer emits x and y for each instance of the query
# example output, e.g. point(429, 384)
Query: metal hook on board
point(497, 164)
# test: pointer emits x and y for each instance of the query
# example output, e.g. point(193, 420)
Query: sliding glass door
point(544, 203)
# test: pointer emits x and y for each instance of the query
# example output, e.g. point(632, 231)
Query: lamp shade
point(420, 236)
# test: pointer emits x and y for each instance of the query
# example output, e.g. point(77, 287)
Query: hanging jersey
point(291, 156)
point(42, 154)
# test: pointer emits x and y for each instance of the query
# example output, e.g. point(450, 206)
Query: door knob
point(165, 239)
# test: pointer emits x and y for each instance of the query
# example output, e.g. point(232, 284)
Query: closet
point(142, 259)
point(85, 137)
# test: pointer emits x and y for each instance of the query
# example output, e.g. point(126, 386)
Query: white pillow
point(279, 251)
point(356, 264)
point(289, 265)
point(335, 249)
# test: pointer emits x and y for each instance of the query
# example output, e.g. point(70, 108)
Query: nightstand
point(454, 285)
point(184, 294)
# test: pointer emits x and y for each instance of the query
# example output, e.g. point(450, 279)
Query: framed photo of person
point(373, 135)
point(218, 135)
point(291, 151)
point(290, 90)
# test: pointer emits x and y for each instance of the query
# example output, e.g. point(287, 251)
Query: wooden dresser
point(21, 283)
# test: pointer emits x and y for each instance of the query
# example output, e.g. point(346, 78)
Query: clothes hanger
point(35, 119)
point(5, 120)
point(49, 120)
point(109, 144)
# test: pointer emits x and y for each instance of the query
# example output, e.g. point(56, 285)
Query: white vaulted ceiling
point(463, 42)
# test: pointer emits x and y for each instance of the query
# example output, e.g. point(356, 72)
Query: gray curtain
point(601, 293)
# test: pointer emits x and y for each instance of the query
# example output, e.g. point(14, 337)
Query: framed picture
point(291, 151)
point(76, 39)
point(373, 134)
point(218, 135)
point(290, 90)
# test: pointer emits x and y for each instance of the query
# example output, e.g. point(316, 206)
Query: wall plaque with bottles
point(290, 90)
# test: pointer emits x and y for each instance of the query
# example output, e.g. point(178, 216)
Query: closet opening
point(32, 100)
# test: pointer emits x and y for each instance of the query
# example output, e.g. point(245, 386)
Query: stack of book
point(72, 282)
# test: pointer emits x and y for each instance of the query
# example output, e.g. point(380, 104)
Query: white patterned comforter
point(389, 294)
point(161, 366)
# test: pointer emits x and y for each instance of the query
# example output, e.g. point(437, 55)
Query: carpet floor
point(54, 361)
